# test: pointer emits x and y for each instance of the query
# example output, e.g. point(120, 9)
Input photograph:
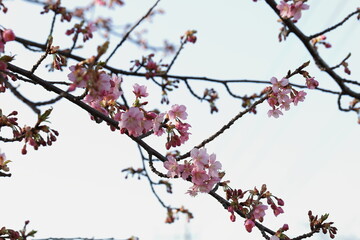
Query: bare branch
point(131, 29)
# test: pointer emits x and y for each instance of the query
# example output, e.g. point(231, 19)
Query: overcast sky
point(309, 157)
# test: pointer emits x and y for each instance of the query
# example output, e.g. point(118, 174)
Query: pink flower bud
point(8, 35)
point(249, 224)
point(285, 227)
point(280, 202)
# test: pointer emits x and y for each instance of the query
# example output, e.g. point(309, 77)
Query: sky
point(308, 157)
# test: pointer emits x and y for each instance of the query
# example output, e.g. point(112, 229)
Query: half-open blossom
point(311, 83)
point(249, 224)
point(259, 211)
point(278, 210)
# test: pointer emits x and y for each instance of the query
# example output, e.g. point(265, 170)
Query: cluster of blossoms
point(6, 35)
point(283, 95)
point(137, 121)
point(293, 10)
point(202, 170)
point(103, 89)
point(252, 207)
point(102, 92)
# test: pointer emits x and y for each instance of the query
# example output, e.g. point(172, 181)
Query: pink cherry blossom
point(297, 8)
point(77, 76)
point(284, 9)
point(277, 85)
point(214, 166)
point(199, 176)
point(177, 111)
point(114, 92)
point(259, 211)
point(299, 97)
point(249, 224)
point(274, 113)
point(200, 157)
point(173, 167)
point(158, 120)
point(187, 169)
point(140, 91)
point(132, 121)
point(8, 35)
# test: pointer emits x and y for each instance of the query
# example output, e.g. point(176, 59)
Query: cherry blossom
point(311, 83)
point(276, 85)
point(285, 9)
point(299, 97)
point(157, 128)
point(140, 91)
point(274, 113)
point(173, 167)
point(297, 8)
point(131, 120)
point(177, 111)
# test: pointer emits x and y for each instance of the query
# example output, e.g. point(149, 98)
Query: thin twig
point(227, 126)
point(151, 183)
point(19, 95)
point(341, 63)
point(131, 29)
point(176, 55)
point(336, 25)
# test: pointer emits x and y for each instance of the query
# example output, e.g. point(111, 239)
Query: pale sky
point(309, 157)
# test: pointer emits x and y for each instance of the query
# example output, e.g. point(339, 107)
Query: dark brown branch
point(341, 63)
point(16, 139)
point(65, 53)
point(2, 174)
point(50, 87)
point(313, 52)
point(151, 183)
point(19, 95)
point(336, 25)
point(52, 101)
